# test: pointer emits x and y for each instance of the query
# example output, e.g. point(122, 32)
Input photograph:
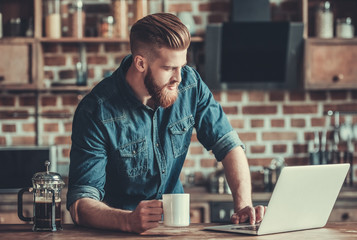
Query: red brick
point(317, 122)
point(7, 101)
point(256, 123)
point(48, 101)
point(50, 127)
point(49, 75)
point(257, 149)
point(300, 109)
point(273, 136)
point(338, 95)
point(94, 47)
point(70, 100)
point(50, 48)
point(23, 140)
point(28, 101)
point(69, 48)
point(256, 96)
point(29, 127)
point(318, 95)
point(216, 18)
point(237, 123)
point(279, 148)
point(234, 96)
point(260, 110)
point(230, 110)
point(277, 123)
point(300, 148)
point(196, 150)
point(248, 136)
point(180, 7)
point(347, 107)
point(62, 113)
point(208, 163)
point(55, 61)
point(2, 141)
point(259, 161)
point(217, 95)
point(66, 152)
point(298, 123)
point(112, 47)
point(66, 74)
point(297, 96)
point(63, 140)
point(276, 96)
point(295, 161)
point(214, 7)
point(68, 127)
point(189, 163)
point(14, 114)
point(9, 128)
point(97, 60)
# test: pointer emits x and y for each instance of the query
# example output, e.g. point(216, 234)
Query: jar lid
point(48, 180)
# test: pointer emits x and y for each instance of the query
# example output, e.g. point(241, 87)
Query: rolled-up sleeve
point(88, 156)
point(212, 125)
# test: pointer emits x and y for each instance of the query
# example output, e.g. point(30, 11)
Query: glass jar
point(52, 18)
point(344, 28)
point(324, 20)
point(77, 19)
point(106, 27)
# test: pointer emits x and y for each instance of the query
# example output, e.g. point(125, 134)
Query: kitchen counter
point(194, 231)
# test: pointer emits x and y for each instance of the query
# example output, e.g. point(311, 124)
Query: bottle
point(344, 28)
point(77, 19)
point(324, 20)
point(106, 27)
point(52, 19)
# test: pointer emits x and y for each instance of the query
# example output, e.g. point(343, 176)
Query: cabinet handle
point(338, 77)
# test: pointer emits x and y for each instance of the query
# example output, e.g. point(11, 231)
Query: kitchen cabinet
point(35, 80)
point(329, 63)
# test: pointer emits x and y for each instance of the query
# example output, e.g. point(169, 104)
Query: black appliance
point(253, 55)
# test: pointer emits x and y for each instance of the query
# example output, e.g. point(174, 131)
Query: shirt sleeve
point(88, 158)
point(212, 126)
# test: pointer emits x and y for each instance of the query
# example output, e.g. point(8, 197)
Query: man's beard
point(160, 95)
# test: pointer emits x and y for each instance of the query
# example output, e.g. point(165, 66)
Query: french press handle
point(20, 204)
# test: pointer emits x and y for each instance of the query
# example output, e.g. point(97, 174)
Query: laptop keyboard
point(246, 227)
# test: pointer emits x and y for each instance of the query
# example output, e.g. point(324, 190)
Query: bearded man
point(131, 134)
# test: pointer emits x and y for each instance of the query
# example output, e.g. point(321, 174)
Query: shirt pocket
point(133, 158)
point(180, 134)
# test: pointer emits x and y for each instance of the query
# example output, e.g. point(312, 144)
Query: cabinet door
point(331, 64)
point(14, 63)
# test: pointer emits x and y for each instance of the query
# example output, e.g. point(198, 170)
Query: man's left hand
point(253, 214)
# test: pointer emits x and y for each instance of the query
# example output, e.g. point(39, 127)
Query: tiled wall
point(271, 123)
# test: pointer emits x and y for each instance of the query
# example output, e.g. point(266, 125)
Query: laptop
point(303, 198)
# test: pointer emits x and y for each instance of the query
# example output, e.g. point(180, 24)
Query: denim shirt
point(124, 152)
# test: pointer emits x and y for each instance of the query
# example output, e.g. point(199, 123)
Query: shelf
point(97, 40)
point(16, 40)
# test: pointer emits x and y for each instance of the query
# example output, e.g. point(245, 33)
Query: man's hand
point(146, 216)
point(254, 215)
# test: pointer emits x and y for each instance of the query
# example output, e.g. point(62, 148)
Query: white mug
point(176, 209)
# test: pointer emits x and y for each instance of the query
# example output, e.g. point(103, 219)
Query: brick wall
point(271, 123)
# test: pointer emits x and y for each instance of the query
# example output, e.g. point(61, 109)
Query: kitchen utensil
point(335, 154)
point(46, 189)
point(323, 152)
point(354, 129)
point(314, 149)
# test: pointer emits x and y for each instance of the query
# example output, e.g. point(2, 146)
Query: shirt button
point(160, 192)
point(157, 145)
point(163, 170)
point(134, 152)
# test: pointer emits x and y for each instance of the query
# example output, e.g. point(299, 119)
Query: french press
point(46, 190)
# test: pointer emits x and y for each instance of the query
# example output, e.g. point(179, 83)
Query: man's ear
point(140, 63)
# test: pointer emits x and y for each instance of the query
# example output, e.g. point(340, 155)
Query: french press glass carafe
point(46, 190)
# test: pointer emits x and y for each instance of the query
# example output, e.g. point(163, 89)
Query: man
point(131, 134)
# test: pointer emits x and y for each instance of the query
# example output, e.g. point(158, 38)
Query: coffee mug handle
point(20, 205)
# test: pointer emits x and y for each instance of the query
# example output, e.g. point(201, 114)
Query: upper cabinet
point(330, 52)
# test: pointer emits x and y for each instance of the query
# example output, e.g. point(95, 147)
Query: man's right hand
point(146, 216)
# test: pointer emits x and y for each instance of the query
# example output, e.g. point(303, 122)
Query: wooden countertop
point(194, 231)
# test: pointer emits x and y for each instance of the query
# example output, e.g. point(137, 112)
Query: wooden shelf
point(16, 40)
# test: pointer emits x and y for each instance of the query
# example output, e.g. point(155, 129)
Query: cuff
point(76, 192)
point(225, 144)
